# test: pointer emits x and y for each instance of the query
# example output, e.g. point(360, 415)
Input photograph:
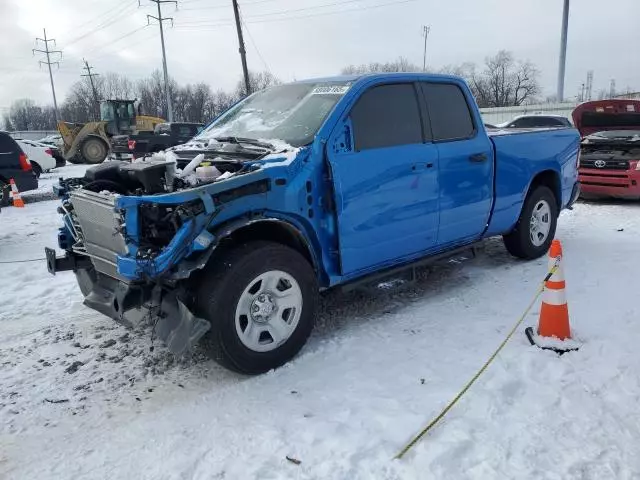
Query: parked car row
point(14, 164)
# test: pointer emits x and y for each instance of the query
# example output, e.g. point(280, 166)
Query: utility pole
point(86, 67)
point(425, 32)
point(243, 52)
point(563, 51)
point(612, 88)
point(589, 85)
point(164, 54)
point(49, 63)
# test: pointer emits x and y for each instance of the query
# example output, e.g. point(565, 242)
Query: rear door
point(466, 167)
point(386, 180)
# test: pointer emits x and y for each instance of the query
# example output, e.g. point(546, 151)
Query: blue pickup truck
point(319, 183)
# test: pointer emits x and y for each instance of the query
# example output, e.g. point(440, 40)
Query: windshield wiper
point(246, 141)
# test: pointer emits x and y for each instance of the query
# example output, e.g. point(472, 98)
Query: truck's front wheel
point(261, 299)
point(536, 227)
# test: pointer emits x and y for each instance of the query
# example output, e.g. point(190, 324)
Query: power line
point(304, 9)
point(258, 19)
point(48, 53)
point(254, 45)
point(164, 53)
point(108, 13)
point(126, 35)
point(110, 21)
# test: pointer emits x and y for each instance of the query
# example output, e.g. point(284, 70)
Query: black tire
point(519, 242)
point(37, 169)
point(94, 150)
point(219, 291)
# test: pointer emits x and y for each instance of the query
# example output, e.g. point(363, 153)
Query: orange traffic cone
point(554, 314)
point(15, 194)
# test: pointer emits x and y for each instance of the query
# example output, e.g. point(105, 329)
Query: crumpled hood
point(601, 115)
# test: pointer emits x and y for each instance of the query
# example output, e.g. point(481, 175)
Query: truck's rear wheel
point(536, 227)
point(94, 150)
point(261, 299)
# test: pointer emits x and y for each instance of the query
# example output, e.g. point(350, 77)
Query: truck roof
point(353, 78)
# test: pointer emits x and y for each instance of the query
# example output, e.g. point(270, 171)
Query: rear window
point(187, 131)
point(539, 122)
point(386, 116)
point(448, 111)
point(8, 144)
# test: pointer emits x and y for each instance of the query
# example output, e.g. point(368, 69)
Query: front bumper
point(130, 304)
point(610, 183)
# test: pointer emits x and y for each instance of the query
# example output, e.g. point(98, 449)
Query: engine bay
point(156, 176)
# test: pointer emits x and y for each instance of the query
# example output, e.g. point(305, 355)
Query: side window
point(185, 131)
point(386, 116)
point(525, 122)
point(449, 112)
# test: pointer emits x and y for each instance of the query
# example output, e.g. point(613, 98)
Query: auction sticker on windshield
point(331, 89)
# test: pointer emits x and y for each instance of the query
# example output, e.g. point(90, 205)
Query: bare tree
point(503, 82)
point(24, 114)
point(399, 65)
point(257, 81)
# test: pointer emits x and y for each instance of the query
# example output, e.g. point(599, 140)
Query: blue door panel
point(466, 189)
point(387, 202)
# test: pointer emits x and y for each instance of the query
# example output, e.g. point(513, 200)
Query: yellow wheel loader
point(90, 142)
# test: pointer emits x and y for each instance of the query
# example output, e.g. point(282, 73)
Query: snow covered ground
point(80, 397)
point(48, 179)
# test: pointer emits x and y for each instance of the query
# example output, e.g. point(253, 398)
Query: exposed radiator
point(100, 224)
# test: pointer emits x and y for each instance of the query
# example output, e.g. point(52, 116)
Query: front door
point(385, 180)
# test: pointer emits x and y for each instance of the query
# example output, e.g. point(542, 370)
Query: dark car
point(537, 121)
point(164, 136)
point(14, 164)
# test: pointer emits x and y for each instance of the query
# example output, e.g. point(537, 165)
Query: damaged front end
point(132, 253)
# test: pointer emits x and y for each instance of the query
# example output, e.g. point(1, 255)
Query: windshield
point(292, 113)
point(617, 134)
point(106, 112)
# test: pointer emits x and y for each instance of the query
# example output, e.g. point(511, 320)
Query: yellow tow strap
point(433, 422)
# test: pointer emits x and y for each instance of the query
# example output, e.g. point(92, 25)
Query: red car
point(610, 150)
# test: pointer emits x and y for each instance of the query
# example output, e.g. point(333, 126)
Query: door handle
point(418, 166)
point(478, 157)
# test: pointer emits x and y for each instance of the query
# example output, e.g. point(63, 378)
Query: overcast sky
point(307, 38)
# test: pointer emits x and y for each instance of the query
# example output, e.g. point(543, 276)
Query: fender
point(290, 224)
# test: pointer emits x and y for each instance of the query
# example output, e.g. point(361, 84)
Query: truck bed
point(520, 154)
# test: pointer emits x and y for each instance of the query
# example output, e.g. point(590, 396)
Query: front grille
point(600, 175)
point(601, 184)
point(609, 164)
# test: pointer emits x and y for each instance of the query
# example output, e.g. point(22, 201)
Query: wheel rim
point(540, 223)
point(268, 311)
point(94, 151)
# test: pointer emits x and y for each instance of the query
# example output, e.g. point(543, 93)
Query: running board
point(409, 268)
